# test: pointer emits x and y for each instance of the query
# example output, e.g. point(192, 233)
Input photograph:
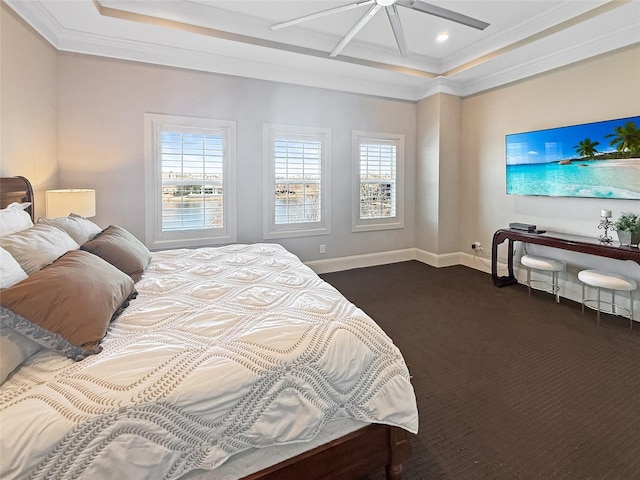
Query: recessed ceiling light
point(442, 37)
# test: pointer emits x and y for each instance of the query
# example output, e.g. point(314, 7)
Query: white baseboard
point(394, 256)
point(360, 261)
point(570, 286)
point(479, 263)
point(438, 260)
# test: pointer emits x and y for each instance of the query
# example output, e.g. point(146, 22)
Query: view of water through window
point(192, 181)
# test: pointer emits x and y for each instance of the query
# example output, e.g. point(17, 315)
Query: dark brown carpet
point(508, 387)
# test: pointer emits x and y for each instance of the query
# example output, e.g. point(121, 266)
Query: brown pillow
point(73, 300)
point(121, 249)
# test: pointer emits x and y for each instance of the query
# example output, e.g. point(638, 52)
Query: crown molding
point(36, 15)
point(594, 46)
point(144, 52)
point(441, 85)
point(619, 23)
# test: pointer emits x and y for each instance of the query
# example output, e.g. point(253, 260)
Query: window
point(296, 192)
point(378, 180)
point(190, 172)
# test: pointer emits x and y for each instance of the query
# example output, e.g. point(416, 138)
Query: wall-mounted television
point(597, 160)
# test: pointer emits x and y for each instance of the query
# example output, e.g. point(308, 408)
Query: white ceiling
point(524, 38)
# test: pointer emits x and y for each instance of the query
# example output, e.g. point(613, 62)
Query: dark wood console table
point(588, 245)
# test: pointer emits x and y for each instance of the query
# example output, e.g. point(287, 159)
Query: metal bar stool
point(607, 281)
point(544, 264)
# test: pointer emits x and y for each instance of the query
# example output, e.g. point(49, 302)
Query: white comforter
point(224, 349)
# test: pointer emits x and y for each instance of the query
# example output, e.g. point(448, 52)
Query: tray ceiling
point(524, 38)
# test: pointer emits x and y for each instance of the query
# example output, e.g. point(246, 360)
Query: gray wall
point(438, 179)
point(101, 108)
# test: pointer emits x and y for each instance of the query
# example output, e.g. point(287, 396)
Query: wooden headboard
point(16, 189)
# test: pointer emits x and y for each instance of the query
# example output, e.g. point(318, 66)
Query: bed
point(226, 362)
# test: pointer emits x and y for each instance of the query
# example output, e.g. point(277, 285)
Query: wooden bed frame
point(16, 189)
point(350, 457)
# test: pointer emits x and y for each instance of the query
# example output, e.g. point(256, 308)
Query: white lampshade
point(60, 203)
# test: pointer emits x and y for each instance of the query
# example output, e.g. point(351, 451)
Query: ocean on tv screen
point(599, 179)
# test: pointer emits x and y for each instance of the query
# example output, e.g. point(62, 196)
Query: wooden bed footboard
point(350, 457)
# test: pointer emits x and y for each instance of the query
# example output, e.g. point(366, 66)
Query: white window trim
point(154, 236)
point(271, 230)
point(370, 224)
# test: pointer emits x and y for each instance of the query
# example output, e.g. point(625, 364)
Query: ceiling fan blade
point(444, 13)
point(396, 26)
point(356, 28)
point(323, 13)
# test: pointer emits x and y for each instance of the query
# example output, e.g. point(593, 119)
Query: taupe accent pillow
point(72, 300)
point(121, 249)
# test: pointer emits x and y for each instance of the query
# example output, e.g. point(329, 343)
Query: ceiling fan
point(394, 19)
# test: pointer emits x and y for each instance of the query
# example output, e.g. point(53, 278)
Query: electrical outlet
point(322, 248)
point(476, 246)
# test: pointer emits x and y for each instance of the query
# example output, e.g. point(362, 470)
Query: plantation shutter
point(378, 179)
point(298, 172)
point(192, 165)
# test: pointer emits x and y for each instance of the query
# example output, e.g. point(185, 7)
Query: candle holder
point(606, 225)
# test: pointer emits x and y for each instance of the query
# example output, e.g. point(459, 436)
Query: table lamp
point(60, 203)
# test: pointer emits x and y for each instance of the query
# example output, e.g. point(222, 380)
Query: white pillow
point(38, 246)
point(79, 228)
point(15, 348)
point(10, 271)
point(13, 218)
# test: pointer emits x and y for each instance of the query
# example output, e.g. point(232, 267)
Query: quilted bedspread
point(224, 349)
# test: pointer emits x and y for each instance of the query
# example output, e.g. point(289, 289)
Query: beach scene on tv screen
point(599, 160)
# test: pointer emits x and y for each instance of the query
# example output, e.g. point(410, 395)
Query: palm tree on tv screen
point(626, 138)
point(586, 148)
